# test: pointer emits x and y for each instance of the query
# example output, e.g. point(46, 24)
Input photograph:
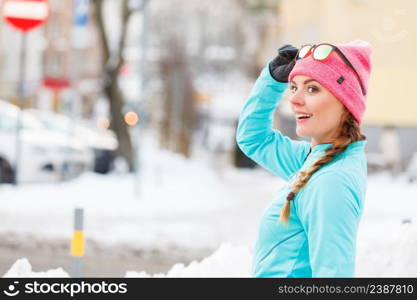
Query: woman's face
point(310, 97)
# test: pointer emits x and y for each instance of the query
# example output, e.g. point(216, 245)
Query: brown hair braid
point(349, 133)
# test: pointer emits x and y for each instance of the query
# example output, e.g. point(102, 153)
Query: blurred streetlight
point(103, 123)
point(131, 118)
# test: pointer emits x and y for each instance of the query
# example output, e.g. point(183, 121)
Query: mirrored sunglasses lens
point(303, 51)
point(322, 52)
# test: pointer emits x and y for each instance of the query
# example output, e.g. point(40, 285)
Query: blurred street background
point(126, 111)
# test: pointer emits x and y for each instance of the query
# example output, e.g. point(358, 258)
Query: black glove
point(281, 66)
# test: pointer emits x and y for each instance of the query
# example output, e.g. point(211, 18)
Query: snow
point(227, 261)
point(389, 219)
point(190, 204)
point(235, 261)
point(22, 268)
point(181, 202)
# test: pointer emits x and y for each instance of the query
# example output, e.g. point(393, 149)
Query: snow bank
point(227, 261)
point(235, 261)
point(22, 268)
point(404, 260)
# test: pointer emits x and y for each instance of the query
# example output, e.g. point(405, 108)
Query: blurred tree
point(179, 111)
point(112, 62)
point(260, 5)
point(197, 45)
point(261, 15)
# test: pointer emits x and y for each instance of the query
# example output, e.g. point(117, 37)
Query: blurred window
point(8, 122)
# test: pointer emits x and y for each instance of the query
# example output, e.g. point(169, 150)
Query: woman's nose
point(297, 100)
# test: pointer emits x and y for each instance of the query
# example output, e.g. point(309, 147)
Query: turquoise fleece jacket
point(320, 240)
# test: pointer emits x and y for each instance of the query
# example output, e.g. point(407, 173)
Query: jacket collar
point(319, 149)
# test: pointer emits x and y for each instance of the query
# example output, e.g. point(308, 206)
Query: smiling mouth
point(304, 116)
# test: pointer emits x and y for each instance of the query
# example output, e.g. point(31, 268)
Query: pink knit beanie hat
point(336, 76)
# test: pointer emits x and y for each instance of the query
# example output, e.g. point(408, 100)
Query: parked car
point(101, 142)
point(45, 155)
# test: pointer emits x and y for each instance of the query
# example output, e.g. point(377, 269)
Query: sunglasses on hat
point(322, 52)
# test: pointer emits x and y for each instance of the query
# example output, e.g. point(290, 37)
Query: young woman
point(310, 229)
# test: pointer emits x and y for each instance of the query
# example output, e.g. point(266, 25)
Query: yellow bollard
point(78, 243)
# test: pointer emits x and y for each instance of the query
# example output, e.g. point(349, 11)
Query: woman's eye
point(310, 89)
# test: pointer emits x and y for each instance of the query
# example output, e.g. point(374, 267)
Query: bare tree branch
point(113, 60)
point(98, 4)
point(126, 13)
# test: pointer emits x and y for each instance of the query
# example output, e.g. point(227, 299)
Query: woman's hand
point(280, 67)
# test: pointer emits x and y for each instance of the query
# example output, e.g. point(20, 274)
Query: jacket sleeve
point(255, 135)
point(330, 214)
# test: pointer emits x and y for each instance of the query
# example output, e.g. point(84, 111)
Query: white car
point(44, 155)
point(101, 142)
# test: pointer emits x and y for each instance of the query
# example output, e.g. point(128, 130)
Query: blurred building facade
point(72, 67)
point(63, 71)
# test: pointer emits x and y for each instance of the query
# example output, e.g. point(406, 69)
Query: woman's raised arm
point(255, 135)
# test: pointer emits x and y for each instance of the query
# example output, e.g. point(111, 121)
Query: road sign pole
point(21, 99)
point(24, 15)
